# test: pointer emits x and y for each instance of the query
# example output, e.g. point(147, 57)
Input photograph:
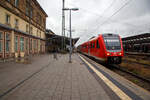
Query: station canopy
point(50, 36)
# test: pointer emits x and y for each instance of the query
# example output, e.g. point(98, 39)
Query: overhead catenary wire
point(116, 12)
point(138, 27)
point(105, 10)
point(100, 15)
point(109, 18)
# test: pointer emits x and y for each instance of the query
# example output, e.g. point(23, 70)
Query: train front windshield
point(112, 43)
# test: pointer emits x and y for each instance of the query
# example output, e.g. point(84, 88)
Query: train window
point(112, 43)
point(93, 45)
point(97, 44)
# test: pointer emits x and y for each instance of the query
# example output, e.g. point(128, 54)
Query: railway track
point(136, 79)
point(128, 61)
point(131, 73)
point(136, 53)
point(141, 80)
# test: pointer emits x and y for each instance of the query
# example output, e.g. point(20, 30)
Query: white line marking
point(114, 88)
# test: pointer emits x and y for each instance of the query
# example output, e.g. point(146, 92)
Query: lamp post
point(70, 9)
point(63, 23)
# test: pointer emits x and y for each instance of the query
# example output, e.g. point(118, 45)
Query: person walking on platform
point(55, 53)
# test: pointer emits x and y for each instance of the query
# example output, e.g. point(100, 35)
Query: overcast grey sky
point(100, 16)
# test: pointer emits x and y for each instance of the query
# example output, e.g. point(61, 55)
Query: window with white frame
point(16, 23)
point(35, 45)
point(37, 32)
point(27, 43)
point(27, 7)
point(7, 42)
point(27, 28)
point(1, 37)
point(21, 44)
point(31, 30)
point(7, 19)
point(16, 43)
point(16, 3)
point(31, 12)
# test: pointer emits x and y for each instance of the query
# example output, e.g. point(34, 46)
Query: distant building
point(137, 43)
point(48, 31)
point(22, 28)
point(55, 41)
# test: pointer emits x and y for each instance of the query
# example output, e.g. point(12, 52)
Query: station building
point(22, 28)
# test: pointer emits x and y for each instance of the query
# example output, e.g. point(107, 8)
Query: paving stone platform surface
point(60, 80)
point(47, 78)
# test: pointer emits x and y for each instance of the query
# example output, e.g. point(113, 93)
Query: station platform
point(47, 78)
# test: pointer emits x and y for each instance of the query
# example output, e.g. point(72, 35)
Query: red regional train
point(106, 48)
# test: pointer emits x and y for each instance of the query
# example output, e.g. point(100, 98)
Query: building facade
point(22, 28)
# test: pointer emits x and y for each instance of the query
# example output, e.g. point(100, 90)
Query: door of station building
point(5, 44)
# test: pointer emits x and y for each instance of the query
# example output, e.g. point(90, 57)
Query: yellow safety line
point(114, 88)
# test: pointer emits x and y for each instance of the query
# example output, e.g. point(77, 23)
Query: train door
point(91, 50)
point(88, 48)
point(97, 48)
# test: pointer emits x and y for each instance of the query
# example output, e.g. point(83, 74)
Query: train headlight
point(108, 54)
point(120, 53)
